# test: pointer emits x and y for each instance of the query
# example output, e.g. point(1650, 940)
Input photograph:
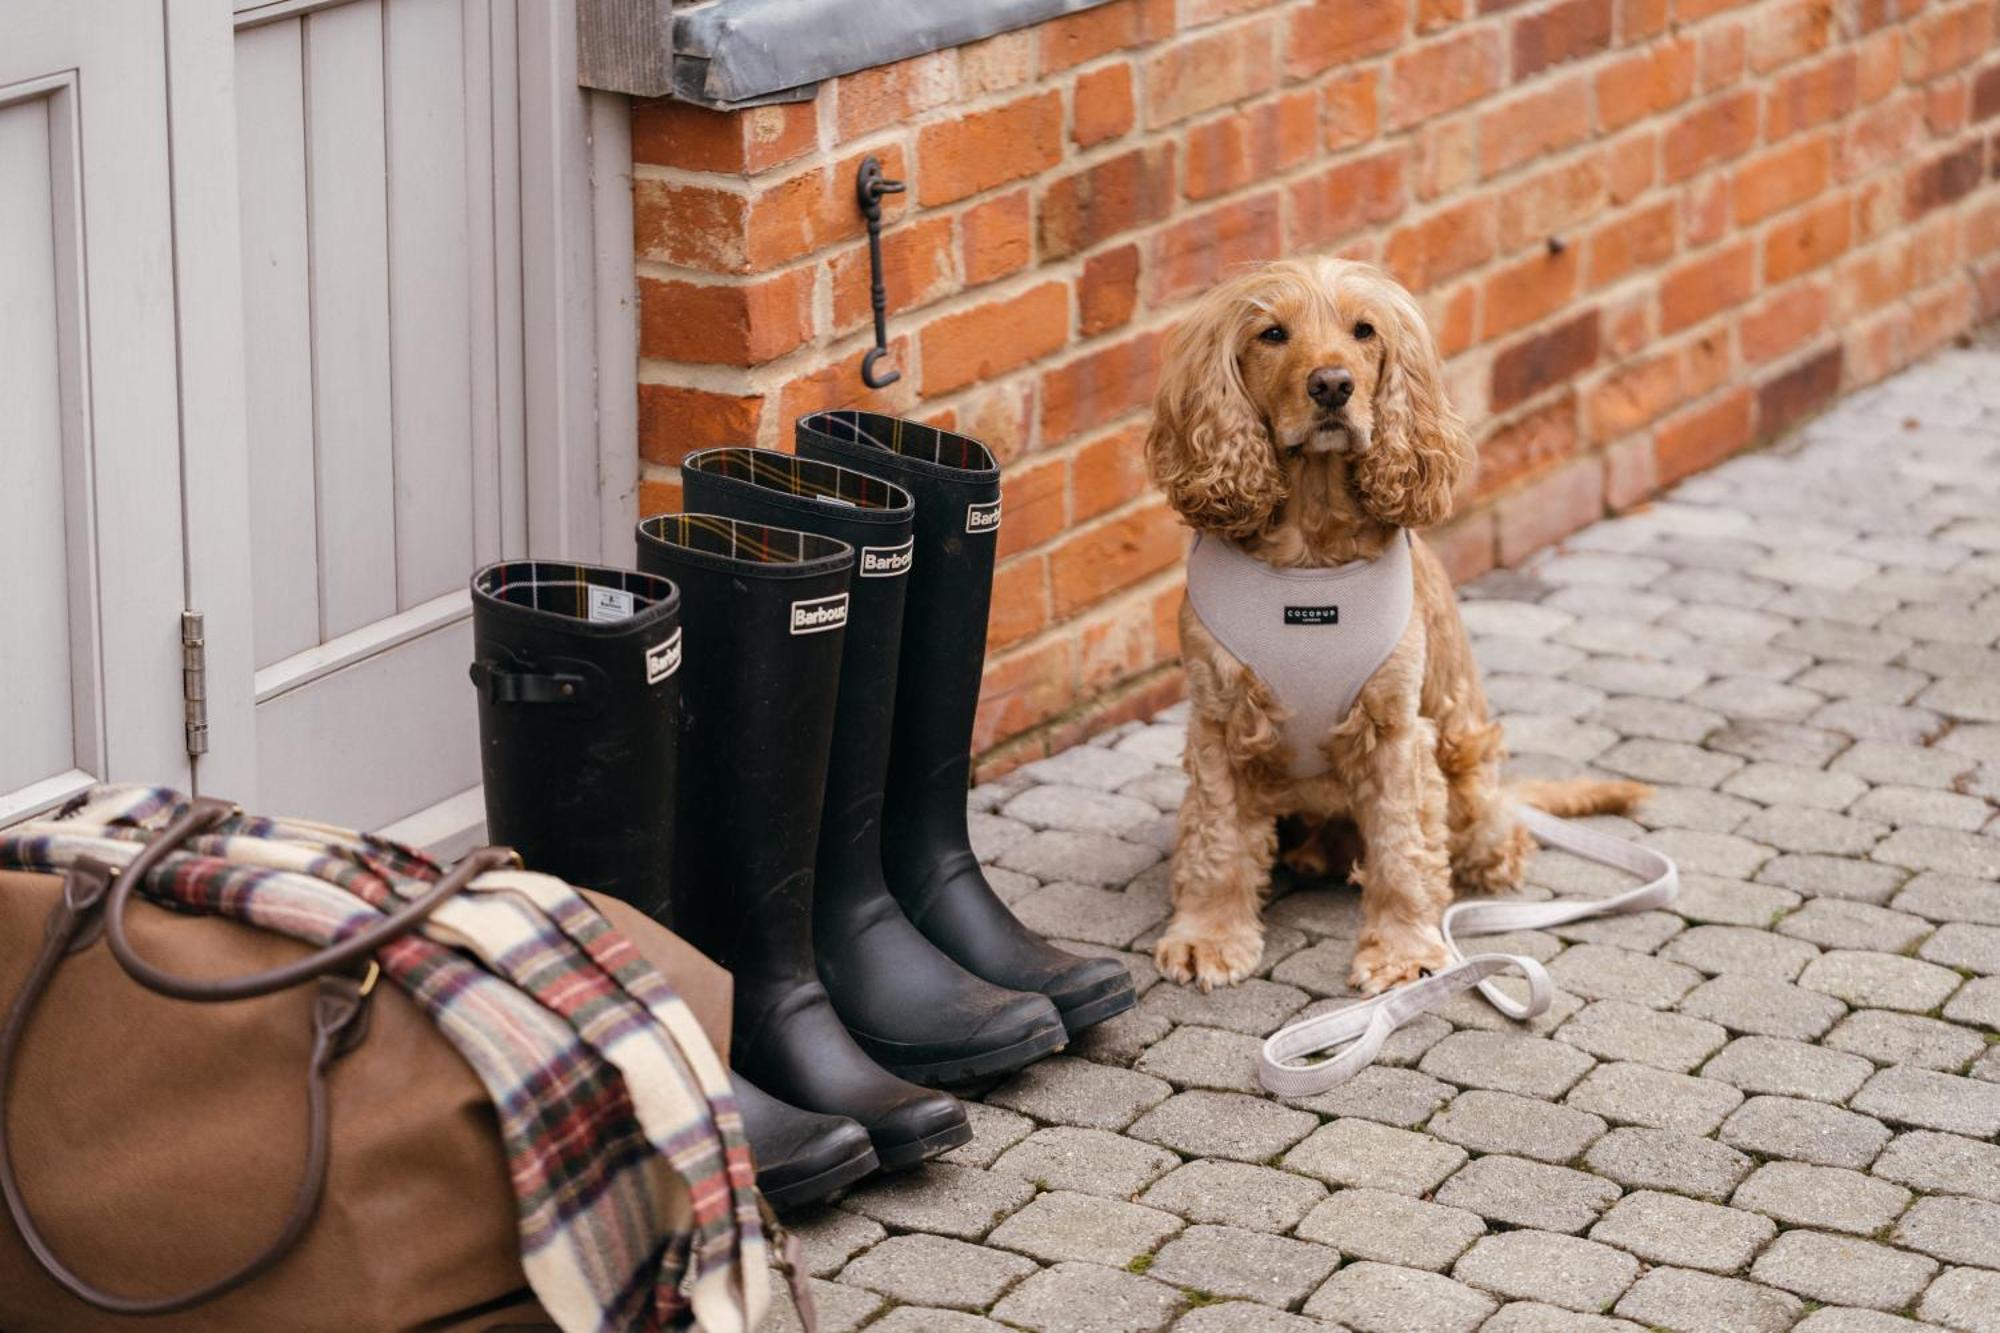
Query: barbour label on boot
point(817, 614)
point(663, 659)
point(983, 517)
point(609, 605)
point(886, 562)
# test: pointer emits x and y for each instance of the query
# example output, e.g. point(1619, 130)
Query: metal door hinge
point(194, 682)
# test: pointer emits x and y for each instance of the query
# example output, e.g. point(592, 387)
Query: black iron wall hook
point(869, 187)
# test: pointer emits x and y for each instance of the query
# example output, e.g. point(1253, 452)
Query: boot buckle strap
point(505, 685)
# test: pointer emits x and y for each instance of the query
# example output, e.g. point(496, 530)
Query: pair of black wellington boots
point(763, 740)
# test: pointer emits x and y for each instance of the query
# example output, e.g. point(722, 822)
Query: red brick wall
point(1648, 233)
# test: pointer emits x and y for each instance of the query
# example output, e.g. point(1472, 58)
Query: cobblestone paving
point(1771, 1107)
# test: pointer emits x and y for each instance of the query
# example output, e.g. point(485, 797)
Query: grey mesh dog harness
point(1313, 636)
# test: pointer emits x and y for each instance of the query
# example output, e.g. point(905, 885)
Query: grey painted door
point(90, 421)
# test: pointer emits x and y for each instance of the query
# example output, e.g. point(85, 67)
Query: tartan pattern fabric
point(739, 539)
point(635, 1192)
point(807, 477)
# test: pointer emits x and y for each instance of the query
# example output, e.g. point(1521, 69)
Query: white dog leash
point(1354, 1035)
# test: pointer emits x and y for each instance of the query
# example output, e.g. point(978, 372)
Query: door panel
point(90, 678)
point(383, 346)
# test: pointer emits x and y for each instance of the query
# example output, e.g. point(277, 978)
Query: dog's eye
point(1275, 334)
point(1364, 330)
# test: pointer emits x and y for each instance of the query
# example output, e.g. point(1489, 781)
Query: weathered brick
point(967, 154)
point(1714, 132)
point(1797, 393)
point(995, 239)
point(1564, 31)
point(1533, 363)
point(1200, 74)
point(1705, 286)
point(1343, 199)
point(667, 132)
point(1102, 106)
point(1644, 83)
point(1326, 33)
point(1443, 75)
point(981, 342)
point(1119, 194)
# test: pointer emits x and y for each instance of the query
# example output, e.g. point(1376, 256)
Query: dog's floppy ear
point(1208, 449)
point(1420, 452)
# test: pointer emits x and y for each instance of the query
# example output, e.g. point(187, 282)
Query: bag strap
point(1356, 1034)
point(94, 892)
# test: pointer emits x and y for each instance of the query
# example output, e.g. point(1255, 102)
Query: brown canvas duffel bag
point(158, 1145)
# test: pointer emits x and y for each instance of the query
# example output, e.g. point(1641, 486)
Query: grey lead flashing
point(737, 53)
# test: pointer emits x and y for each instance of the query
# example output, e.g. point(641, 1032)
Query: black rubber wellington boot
point(763, 610)
point(579, 717)
point(927, 851)
point(579, 727)
point(917, 1013)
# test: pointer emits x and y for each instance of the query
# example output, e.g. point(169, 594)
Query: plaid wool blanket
point(611, 1102)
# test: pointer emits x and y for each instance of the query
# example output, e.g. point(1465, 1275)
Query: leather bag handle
point(339, 1021)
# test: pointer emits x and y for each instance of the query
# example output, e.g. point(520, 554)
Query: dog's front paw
point(1387, 959)
point(1208, 958)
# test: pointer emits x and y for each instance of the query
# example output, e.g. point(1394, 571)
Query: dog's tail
point(1570, 797)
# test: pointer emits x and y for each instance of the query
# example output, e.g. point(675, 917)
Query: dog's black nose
point(1330, 386)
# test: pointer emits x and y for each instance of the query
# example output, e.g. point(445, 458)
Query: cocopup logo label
point(663, 659)
point(982, 518)
point(815, 615)
point(886, 562)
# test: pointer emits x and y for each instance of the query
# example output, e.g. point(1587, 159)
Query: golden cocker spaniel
point(1302, 415)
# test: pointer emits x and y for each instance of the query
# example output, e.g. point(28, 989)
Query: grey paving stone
point(1081, 809)
point(991, 835)
point(1517, 1192)
point(1805, 1131)
point(1502, 616)
point(1200, 1057)
point(1854, 680)
point(1691, 807)
point(1507, 1061)
point(829, 1237)
point(1232, 1261)
point(1236, 1194)
point(1726, 624)
point(1392, 1228)
point(1661, 1159)
point(1947, 850)
point(1066, 1091)
point(1121, 1039)
point(1360, 1153)
point(1564, 1271)
point(1928, 1099)
point(1793, 785)
point(1789, 1069)
point(1889, 1038)
point(1958, 1231)
point(1901, 806)
point(1942, 1164)
point(1161, 742)
point(927, 1319)
point(1977, 1001)
point(1732, 902)
point(1827, 1197)
point(1723, 854)
point(1950, 898)
point(1634, 638)
point(1089, 1298)
point(1799, 828)
point(1513, 652)
point(1620, 1030)
point(1501, 1122)
point(1630, 675)
point(1254, 1007)
point(1691, 1302)
point(1668, 761)
point(1088, 1161)
point(1755, 697)
point(1834, 923)
point(1382, 1298)
point(1244, 1317)
point(1967, 1298)
point(1972, 698)
point(1600, 972)
point(1010, 885)
point(1088, 766)
point(1878, 721)
point(1534, 1317)
point(932, 1270)
point(1779, 742)
point(1400, 1097)
point(1660, 719)
point(1843, 1319)
point(1881, 981)
point(1904, 765)
point(1098, 916)
point(1561, 736)
point(1319, 969)
point(1834, 877)
point(1541, 694)
point(1639, 1094)
point(957, 1201)
point(993, 1132)
point(1767, 1008)
point(1671, 1229)
point(839, 1308)
point(1230, 1125)
point(1062, 1225)
point(1843, 1270)
point(1959, 944)
point(1718, 949)
point(1744, 659)
point(1058, 855)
